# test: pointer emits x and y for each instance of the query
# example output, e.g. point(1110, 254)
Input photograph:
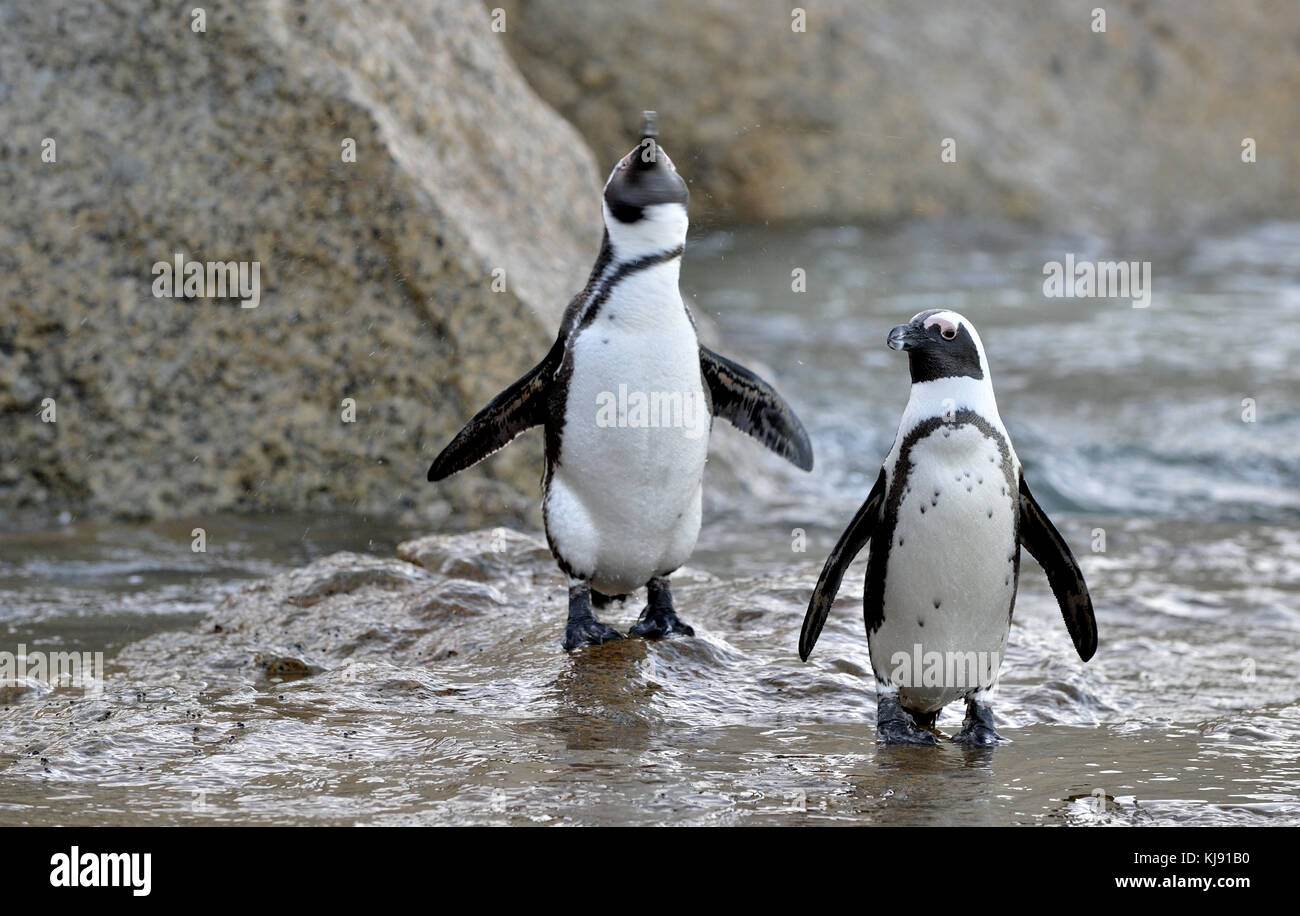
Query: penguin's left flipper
point(752, 406)
point(1039, 536)
point(522, 405)
point(851, 542)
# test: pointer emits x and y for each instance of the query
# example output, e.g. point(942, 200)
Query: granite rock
point(230, 143)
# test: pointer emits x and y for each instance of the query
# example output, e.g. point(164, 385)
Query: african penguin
point(946, 520)
point(627, 395)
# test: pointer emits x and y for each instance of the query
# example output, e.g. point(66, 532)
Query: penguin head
point(940, 344)
point(645, 199)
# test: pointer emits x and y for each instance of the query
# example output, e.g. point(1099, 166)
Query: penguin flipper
point(1039, 536)
point(851, 542)
point(752, 406)
point(522, 405)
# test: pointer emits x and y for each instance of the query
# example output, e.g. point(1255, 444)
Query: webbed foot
point(895, 725)
point(977, 729)
point(587, 631)
point(659, 619)
point(583, 629)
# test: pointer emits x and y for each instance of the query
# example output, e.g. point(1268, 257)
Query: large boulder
point(229, 143)
point(1137, 128)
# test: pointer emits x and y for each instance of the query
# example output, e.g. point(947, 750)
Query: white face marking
point(662, 227)
point(948, 320)
point(947, 328)
point(945, 396)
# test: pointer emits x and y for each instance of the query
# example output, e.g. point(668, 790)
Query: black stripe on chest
point(621, 273)
point(595, 296)
point(873, 598)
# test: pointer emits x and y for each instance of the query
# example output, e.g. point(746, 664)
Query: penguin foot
point(895, 731)
point(894, 725)
point(587, 631)
point(657, 624)
point(977, 736)
point(659, 620)
point(583, 628)
point(977, 729)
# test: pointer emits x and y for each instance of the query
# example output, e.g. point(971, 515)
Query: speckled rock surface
point(376, 275)
point(1137, 128)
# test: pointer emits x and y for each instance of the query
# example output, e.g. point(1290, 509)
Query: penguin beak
point(906, 337)
point(644, 177)
point(646, 155)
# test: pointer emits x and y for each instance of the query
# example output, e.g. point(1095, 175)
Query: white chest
point(636, 395)
point(950, 576)
point(625, 494)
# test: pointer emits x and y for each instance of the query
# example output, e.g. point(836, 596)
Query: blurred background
point(419, 182)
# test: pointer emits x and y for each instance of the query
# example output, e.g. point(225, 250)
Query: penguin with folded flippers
point(945, 522)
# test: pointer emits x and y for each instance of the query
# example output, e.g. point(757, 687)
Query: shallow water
point(458, 706)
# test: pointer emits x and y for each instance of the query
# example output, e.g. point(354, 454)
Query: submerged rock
point(489, 607)
point(431, 688)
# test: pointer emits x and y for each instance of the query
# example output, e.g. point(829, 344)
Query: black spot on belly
point(937, 602)
point(899, 487)
point(920, 622)
point(900, 542)
point(611, 316)
point(990, 513)
point(605, 341)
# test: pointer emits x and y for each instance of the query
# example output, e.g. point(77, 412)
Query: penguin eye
point(947, 329)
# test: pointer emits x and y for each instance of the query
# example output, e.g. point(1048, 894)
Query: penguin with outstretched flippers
point(627, 395)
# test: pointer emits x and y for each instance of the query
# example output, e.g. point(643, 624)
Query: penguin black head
point(940, 344)
point(645, 198)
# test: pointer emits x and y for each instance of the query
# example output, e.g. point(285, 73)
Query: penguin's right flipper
point(1045, 544)
point(752, 406)
point(851, 542)
point(522, 405)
